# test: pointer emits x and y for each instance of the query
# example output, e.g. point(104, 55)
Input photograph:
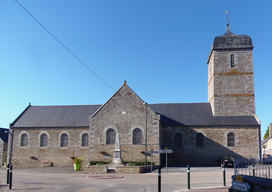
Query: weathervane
point(227, 12)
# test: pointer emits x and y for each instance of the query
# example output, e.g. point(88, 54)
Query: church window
point(85, 138)
point(137, 136)
point(199, 140)
point(64, 140)
point(231, 141)
point(110, 140)
point(178, 140)
point(43, 140)
point(24, 140)
point(232, 60)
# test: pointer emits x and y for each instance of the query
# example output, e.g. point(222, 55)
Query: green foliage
point(5, 156)
point(99, 162)
point(266, 133)
point(130, 164)
point(77, 161)
point(137, 163)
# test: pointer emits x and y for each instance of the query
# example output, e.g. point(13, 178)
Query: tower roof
point(230, 41)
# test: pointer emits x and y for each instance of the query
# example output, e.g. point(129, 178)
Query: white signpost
point(151, 157)
point(240, 186)
point(166, 151)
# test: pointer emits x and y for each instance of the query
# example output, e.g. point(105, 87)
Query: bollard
point(253, 169)
point(224, 175)
point(8, 174)
point(159, 180)
point(10, 177)
point(188, 175)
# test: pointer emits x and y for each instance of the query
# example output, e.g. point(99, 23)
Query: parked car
point(227, 160)
point(267, 160)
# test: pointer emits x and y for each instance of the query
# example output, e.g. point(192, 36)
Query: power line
point(63, 45)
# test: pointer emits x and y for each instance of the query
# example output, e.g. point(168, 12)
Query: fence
point(258, 168)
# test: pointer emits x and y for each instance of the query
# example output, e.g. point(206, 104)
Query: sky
point(159, 47)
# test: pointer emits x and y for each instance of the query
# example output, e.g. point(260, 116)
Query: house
point(198, 133)
point(267, 144)
point(3, 145)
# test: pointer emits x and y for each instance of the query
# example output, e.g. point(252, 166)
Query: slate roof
point(3, 135)
point(56, 116)
point(230, 41)
point(172, 114)
point(176, 114)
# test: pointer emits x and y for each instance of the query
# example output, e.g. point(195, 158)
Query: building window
point(110, 140)
point(24, 140)
point(137, 136)
point(85, 138)
point(199, 140)
point(43, 140)
point(178, 140)
point(64, 140)
point(232, 61)
point(231, 141)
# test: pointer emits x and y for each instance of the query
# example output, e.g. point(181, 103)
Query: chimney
point(270, 130)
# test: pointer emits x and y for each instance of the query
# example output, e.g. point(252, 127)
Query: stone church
point(198, 133)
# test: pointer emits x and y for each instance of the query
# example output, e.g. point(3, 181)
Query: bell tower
point(230, 75)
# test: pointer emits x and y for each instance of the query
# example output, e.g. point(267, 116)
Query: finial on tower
point(125, 82)
point(227, 12)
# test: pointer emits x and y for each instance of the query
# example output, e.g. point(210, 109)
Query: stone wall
point(95, 169)
point(124, 112)
point(215, 144)
point(35, 156)
point(231, 89)
point(1, 152)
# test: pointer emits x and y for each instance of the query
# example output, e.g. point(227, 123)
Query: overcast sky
point(160, 47)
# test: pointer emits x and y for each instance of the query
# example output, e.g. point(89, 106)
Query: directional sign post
point(152, 157)
point(240, 186)
point(166, 151)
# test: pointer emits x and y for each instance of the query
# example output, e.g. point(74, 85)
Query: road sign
point(239, 178)
point(241, 186)
point(166, 151)
point(152, 151)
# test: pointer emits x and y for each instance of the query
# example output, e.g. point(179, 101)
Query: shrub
point(99, 162)
point(77, 161)
point(130, 164)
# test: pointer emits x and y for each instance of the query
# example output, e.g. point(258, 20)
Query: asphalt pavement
point(65, 179)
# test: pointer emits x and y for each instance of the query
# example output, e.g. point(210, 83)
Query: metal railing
point(257, 168)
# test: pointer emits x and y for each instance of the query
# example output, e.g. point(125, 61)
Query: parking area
point(65, 179)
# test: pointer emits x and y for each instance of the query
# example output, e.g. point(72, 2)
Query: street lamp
point(145, 132)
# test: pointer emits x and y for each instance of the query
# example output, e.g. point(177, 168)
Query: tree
point(266, 133)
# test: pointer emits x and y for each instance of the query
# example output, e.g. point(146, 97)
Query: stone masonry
point(124, 112)
point(215, 144)
point(231, 90)
point(35, 156)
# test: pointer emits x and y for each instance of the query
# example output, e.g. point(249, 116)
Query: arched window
point(85, 138)
point(178, 140)
point(199, 140)
point(110, 140)
point(64, 140)
point(231, 141)
point(43, 140)
point(137, 136)
point(24, 140)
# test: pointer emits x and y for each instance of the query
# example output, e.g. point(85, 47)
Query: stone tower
point(230, 75)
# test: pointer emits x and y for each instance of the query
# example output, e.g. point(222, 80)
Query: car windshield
point(228, 158)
